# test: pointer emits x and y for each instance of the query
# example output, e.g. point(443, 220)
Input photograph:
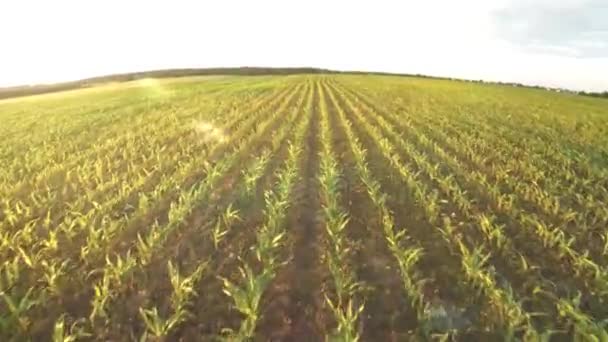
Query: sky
point(556, 43)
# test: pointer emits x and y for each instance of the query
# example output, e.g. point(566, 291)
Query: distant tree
point(597, 94)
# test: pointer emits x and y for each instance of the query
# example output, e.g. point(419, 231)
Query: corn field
point(303, 208)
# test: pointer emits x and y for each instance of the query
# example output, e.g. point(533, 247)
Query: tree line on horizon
point(25, 90)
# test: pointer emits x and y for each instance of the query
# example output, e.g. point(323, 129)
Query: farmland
point(303, 208)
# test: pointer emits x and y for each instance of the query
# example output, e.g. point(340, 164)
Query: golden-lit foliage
point(303, 207)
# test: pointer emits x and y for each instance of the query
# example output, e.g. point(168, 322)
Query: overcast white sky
point(548, 42)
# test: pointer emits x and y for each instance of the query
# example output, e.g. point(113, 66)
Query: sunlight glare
point(209, 132)
point(152, 87)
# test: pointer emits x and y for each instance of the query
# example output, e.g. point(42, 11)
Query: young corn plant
point(252, 175)
point(183, 287)
point(347, 316)
point(223, 224)
point(550, 236)
point(513, 308)
point(247, 294)
point(407, 257)
point(102, 294)
point(584, 327)
point(255, 172)
point(17, 308)
point(183, 292)
point(147, 245)
point(112, 281)
point(201, 191)
point(343, 306)
point(247, 297)
point(493, 232)
point(511, 316)
point(605, 248)
point(10, 273)
point(53, 272)
point(156, 325)
point(73, 333)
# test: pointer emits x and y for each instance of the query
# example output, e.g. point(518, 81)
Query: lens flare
point(209, 132)
point(152, 87)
